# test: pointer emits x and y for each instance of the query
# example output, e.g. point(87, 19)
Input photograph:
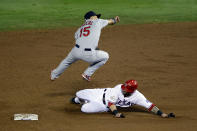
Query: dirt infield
point(161, 57)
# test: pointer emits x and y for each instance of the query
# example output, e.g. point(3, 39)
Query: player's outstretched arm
point(115, 112)
point(156, 111)
point(114, 20)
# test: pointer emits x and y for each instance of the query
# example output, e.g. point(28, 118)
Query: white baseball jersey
point(87, 36)
point(115, 96)
point(98, 99)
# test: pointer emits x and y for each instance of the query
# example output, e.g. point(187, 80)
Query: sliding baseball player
point(86, 43)
point(122, 95)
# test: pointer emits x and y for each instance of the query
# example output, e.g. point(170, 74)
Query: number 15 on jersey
point(85, 31)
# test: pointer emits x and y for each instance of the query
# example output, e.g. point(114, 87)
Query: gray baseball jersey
point(87, 36)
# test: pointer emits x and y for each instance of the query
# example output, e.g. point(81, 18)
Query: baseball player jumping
point(122, 95)
point(86, 43)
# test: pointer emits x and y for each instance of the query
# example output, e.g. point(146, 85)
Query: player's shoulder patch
point(113, 98)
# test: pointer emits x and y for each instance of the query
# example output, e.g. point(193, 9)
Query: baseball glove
point(117, 18)
point(171, 115)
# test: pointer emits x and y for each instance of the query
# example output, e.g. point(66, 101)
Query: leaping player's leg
point(101, 58)
point(62, 66)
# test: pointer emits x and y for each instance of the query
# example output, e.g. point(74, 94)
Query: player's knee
point(106, 56)
point(84, 109)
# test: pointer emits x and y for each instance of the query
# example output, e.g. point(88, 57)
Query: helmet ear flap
point(123, 87)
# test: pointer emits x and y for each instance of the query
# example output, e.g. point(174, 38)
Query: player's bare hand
point(164, 115)
point(119, 115)
point(117, 18)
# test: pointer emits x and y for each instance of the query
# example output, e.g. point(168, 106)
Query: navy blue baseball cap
point(90, 14)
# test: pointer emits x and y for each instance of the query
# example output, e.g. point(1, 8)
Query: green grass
point(35, 14)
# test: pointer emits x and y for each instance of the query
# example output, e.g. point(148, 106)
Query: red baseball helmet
point(130, 86)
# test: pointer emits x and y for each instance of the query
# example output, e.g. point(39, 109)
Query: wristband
point(159, 112)
point(114, 20)
point(115, 112)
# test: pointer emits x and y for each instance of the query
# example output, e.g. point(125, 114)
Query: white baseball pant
point(94, 100)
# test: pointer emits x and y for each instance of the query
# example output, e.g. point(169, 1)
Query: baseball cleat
point(85, 77)
point(53, 76)
point(72, 100)
point(53, 79)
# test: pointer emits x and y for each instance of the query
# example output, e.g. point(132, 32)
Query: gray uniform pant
point(96, 58)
